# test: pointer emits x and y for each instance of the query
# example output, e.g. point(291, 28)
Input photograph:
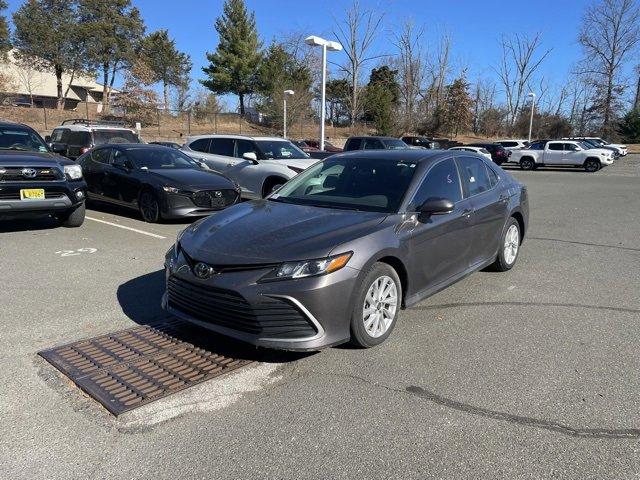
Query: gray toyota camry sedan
point(340, 249)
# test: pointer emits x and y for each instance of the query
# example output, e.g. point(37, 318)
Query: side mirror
point(60, 148)
point(47, 138)
point(436, 206)
point(251, 156)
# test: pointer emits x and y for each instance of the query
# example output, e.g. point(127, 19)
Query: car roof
point(236, 137)
point(135, 146)
point(405, 155)
point(4, 123)
point(380, 137)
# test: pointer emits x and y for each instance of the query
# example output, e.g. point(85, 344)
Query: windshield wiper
point(335, 207)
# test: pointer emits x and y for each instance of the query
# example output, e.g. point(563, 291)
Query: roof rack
point(84, 121)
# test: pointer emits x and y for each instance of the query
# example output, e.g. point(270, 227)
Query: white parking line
point(142, 232)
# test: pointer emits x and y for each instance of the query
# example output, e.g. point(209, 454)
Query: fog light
point(79, 194)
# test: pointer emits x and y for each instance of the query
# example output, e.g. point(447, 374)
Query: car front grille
point(20, 174)
point(16, 195)
point(215, 199)
point(268, 318)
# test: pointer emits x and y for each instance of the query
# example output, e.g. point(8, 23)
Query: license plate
point(32, 194)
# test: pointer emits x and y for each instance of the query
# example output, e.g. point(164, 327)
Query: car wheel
point(592, 165)
point(271, 186)
point(527, 164)
point(73, 218)
point(377, 306)
point(509, 247)
point(149, 207)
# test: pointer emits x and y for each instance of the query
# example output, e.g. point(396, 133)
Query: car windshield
point(279, 150)
point(161, 158)
point(101, 137)
point(21, 139)
point(373, 185)
point(394, 144)
point(588, 145)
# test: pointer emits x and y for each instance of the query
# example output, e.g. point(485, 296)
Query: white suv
point(77, 136)
point(513, 144)
point(259, 165)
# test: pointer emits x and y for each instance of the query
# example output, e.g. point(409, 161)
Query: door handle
point(466, 213)
point(503, 199)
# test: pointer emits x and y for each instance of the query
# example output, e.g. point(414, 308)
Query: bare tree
point(483, 99)
point(610, 32)
point(30, 78)
point(636, 100)
point(411, 69)
point(356, 32)
point(521, 57)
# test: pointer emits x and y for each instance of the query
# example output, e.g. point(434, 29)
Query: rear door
point(221, 154)
point(440, 243)
point(554, 154)
point(480, 184)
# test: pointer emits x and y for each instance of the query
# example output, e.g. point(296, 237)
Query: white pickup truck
point(562, 152)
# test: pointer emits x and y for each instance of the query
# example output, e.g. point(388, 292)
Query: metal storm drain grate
point(127, 369)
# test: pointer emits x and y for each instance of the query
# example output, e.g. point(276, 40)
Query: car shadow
point(10, 225)
point(104, 207)
point(140, 300)
point(516, 168)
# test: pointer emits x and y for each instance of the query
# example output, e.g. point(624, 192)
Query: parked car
point(513, 144)
point(499, 154)
point(424, 142)
point(258, 164)
point(34, 181)
point(328, 146)
point(304, 146)
point(175, 145)
point(594, 144)
point(337, 252)
point(479, 150)
point(562, 152)
point(621, 149)
point(160, 182)
point(374, 143)
point(77, 136)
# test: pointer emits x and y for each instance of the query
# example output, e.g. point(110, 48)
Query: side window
point(200, 145)
point(353, 144)
point(537, 146)
point(442, 181)
point(493, 177)
point(222, 146)
point(56, 136)
point(373, 144)
point(555, 146)
point(570, 147)
point(102, 155)
point(64, 138)
point(244, 146)
point(475, 177)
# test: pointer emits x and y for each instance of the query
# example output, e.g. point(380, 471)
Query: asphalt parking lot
point(528, 374)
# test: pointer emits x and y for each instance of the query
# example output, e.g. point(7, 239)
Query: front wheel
point(73, 218)
point(592, 165)
point(377, 306)
point(509, 247)
point(149, 207)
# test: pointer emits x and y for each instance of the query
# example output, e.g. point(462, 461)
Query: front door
point(121, 182)
point(440, 244)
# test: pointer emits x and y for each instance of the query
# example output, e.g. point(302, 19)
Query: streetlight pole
point(286, 92)
point(533, 104)
point(333, 47)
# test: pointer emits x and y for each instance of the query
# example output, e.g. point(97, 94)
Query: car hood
point(35, 159)
point(265, 231)
point(302, 163)
point(603, 151)
point(189, 179)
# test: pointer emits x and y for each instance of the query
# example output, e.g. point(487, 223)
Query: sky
point(475, 26)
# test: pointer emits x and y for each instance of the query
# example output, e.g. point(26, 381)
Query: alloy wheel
point(511, 244)
point(380, 306)
point(149, 207)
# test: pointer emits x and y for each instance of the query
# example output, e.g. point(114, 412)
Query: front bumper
point(302, 314)
point(177, 205)
point(59, 196)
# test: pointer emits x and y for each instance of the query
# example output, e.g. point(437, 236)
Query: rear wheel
point(527, 164)
point(149, 207)
point(509, 247)
point(592, 165)
point(73, 218)
point(377, 306)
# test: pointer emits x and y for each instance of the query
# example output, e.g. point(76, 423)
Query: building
point(31, 87)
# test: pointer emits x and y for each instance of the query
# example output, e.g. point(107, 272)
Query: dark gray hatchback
point(337, 252)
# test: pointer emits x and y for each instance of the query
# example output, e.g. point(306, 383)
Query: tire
point(148, 206)
point(271, 185)
point(73, 218)
point(592, 165)
point(382, 315)
point(527, 163)
point(508, 254)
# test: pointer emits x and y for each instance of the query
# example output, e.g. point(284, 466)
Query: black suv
point(34, 181)
point(499, 154)
point(374, 143)
point(423, 142)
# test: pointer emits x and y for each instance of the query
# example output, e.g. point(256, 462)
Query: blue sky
point(475, 26)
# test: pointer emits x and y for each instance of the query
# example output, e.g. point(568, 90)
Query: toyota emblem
point(203, 271)
point(29, 172)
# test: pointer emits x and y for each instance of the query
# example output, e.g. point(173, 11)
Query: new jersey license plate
point(32, 194)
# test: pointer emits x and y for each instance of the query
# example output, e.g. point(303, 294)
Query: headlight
point(171, 189)
point(308, 268)
point(73, 172)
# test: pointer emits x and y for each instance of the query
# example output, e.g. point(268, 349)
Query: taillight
point(84, 149)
